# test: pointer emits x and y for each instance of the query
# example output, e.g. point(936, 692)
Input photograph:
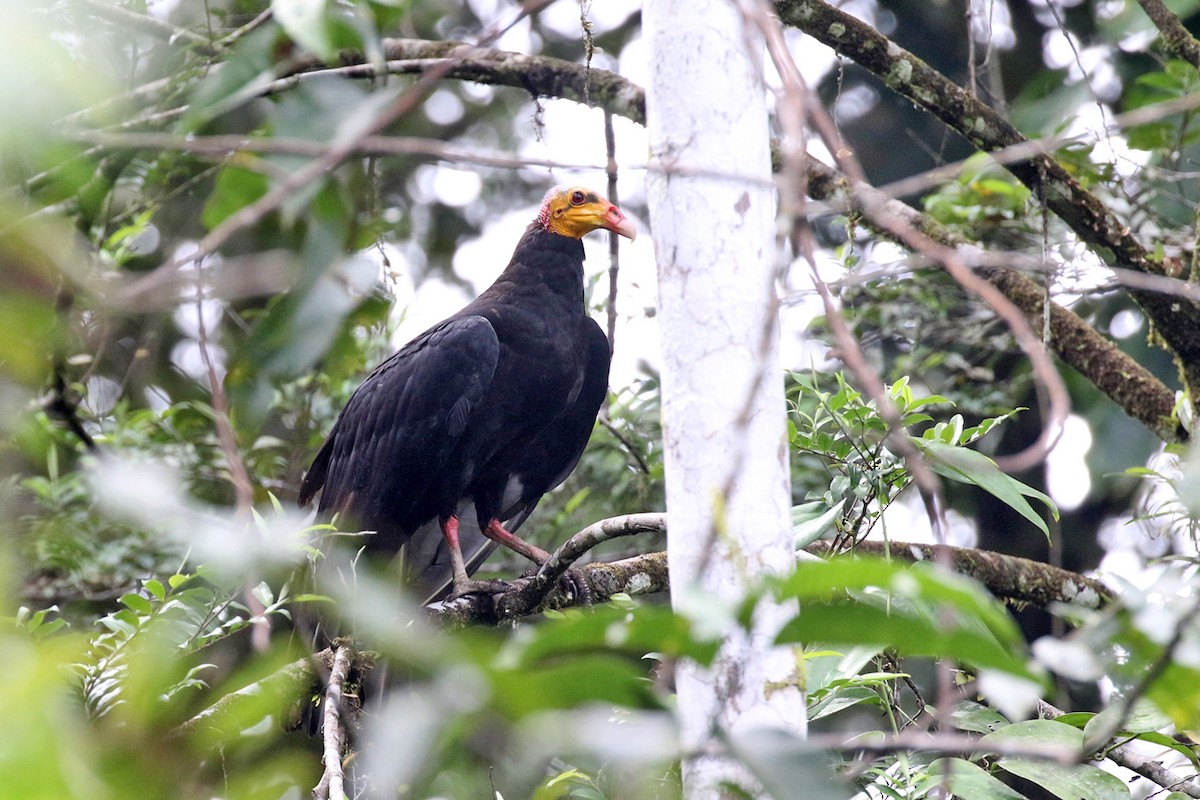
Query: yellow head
point(574, 211)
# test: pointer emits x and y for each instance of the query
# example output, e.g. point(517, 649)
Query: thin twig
point(798, 100)
point(224, 145)
point(1044, 371)
point(243, 489)
point(614, 250)
point(1142, 395)
point(148, 24)
point(226, 438)
point(629, 448)
point(251, 26)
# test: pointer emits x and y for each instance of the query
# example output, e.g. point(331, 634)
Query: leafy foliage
point(846, 434)
point(132, 620)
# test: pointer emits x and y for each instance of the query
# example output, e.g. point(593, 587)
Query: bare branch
point(224, 145)
point(529, 597)
point(333, 729)
point(614, 252)
point(531, 592)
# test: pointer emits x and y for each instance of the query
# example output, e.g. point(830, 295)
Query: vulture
point(446, 448)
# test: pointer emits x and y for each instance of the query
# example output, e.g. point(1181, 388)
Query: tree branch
point(333, 729)
point(644, 574)
point(1008, 577)
point(513, 605)
point(1129, 384)
point(1175, 36)
point(541, 76)
point(148, 24)
point(1176, 321)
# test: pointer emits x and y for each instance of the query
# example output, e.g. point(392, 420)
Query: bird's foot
point(577, 583)
point(572, 582)
point(466, 587)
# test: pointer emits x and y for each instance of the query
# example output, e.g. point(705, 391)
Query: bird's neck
point(548, 261)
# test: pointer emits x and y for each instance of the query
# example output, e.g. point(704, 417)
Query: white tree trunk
point(712, 212)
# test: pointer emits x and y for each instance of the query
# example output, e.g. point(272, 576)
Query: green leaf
point(1144, 717)
point(813, 521)
point(911, 608)
point(969, 466)
point(840, 701)
point(572, 682)
point(977, 718)
point(242, 77)
point(307, 22)
point(136, 603)
point(1077, 782)
point(965, 780)
point(235, 189)
point(1151, 135)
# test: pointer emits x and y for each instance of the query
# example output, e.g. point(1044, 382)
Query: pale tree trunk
point(712, 213)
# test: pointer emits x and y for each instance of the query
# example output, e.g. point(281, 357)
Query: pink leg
point(462, 582)
point(497, 533)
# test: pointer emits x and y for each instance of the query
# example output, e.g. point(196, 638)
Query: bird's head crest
point(575, 210)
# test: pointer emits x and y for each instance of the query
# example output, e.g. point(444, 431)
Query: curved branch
point(528, 598)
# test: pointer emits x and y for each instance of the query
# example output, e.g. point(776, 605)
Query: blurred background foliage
point(133, 580)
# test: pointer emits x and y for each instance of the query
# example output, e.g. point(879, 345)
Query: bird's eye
point(577, 198)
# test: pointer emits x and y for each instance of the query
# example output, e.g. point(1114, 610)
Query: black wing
point(387, 465)
point(545, 462)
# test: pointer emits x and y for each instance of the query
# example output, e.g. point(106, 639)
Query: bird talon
point(577, 584)
point(572, 582)
point(494, 586)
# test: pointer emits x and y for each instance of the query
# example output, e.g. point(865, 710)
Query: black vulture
point(447, 447)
